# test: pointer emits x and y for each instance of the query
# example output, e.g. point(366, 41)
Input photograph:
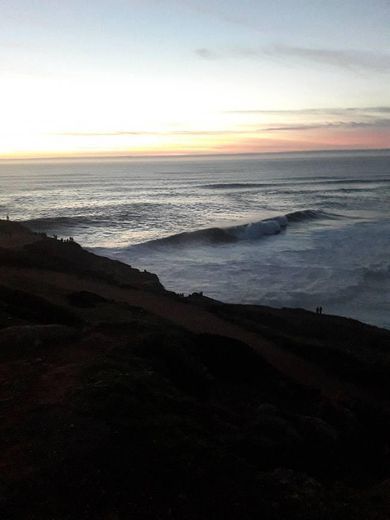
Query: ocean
point(286, 230)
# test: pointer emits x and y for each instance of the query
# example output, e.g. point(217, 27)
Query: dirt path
point(201, 321)
point(190, 317)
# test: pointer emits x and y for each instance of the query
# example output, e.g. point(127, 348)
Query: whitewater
point(287, 230)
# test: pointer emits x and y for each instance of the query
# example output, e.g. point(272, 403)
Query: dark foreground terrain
point(121, 400)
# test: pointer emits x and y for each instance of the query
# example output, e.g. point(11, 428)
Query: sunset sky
point(130, 77)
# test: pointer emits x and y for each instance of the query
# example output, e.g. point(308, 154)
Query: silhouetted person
point(320, 310)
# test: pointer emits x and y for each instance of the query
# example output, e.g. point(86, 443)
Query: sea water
point(288, 230)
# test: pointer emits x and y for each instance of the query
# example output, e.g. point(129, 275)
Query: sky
point(168, 77)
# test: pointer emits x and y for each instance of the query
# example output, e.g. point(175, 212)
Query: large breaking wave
point(250, 231)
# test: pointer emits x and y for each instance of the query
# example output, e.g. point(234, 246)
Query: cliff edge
point(122, 400)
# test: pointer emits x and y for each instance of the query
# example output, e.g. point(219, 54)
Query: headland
point(120, 399)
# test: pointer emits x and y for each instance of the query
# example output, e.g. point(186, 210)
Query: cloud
point(376, 123)
point(365, 114)
point(349, 59)
point(314, 118)
point(356, 60)
point(157, 133)
point(374, 118)
point(206, 54)
point(332, 111)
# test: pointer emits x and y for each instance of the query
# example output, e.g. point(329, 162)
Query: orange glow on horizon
point(223, 143)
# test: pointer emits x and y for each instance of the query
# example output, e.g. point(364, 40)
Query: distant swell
point(49, 223)
point(251, 231)
point(235, 185)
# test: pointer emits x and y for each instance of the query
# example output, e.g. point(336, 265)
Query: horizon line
point(184, 155)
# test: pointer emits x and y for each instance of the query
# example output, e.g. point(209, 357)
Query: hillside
point(122, 400)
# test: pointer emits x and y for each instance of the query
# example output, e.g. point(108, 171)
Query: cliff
point(122, 400)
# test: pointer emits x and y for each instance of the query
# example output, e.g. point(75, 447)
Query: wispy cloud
point(332, 111)
point(142, 133)
point(206, 54)
point(375, 118)
point(356, 60)
point(350, 59)
point(377, 123)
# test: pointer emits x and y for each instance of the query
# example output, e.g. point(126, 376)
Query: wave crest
point(250, 231)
